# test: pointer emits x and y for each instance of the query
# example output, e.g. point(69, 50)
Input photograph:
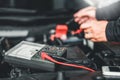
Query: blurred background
point(36, 21)
point(52, 4)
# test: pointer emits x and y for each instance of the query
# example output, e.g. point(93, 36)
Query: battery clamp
point(27, 54)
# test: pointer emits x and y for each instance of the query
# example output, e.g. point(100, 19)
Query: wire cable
point(44, 56)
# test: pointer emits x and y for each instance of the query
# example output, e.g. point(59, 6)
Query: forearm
point(113, 30)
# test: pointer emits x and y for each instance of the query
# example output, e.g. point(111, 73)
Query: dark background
point(43, 4)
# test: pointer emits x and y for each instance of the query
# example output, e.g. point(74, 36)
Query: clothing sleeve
point(111, 12)
point(113, 30)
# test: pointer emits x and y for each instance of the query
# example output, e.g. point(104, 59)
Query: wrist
point(104, 26)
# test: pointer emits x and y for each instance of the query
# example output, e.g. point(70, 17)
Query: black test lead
point(68, 22)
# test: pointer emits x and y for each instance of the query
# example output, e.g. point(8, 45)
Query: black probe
point(72, 25)
point(69, 21)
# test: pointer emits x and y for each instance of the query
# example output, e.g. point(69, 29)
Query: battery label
point(26, 51)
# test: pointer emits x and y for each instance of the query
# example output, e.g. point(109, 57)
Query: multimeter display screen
point(114, 69)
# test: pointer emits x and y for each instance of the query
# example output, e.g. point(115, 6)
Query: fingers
point(84, 15)
point(77, 19)
point(87, 30)
point(83, 20)
point(88, 35)
point(80, 15)
point(81, 12)
point(85, 25)
point(94, 40)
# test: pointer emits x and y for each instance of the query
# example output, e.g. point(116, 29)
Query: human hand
point(83, 15)
point(95, 30)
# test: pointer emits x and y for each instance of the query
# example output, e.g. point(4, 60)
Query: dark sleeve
point(113, 31)
point(111, 12)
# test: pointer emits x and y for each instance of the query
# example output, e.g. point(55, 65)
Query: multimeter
point(26, 54)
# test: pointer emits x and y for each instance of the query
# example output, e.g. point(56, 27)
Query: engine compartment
point(39, 27)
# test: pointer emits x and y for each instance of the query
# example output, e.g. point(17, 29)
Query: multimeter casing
point(26, 54)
